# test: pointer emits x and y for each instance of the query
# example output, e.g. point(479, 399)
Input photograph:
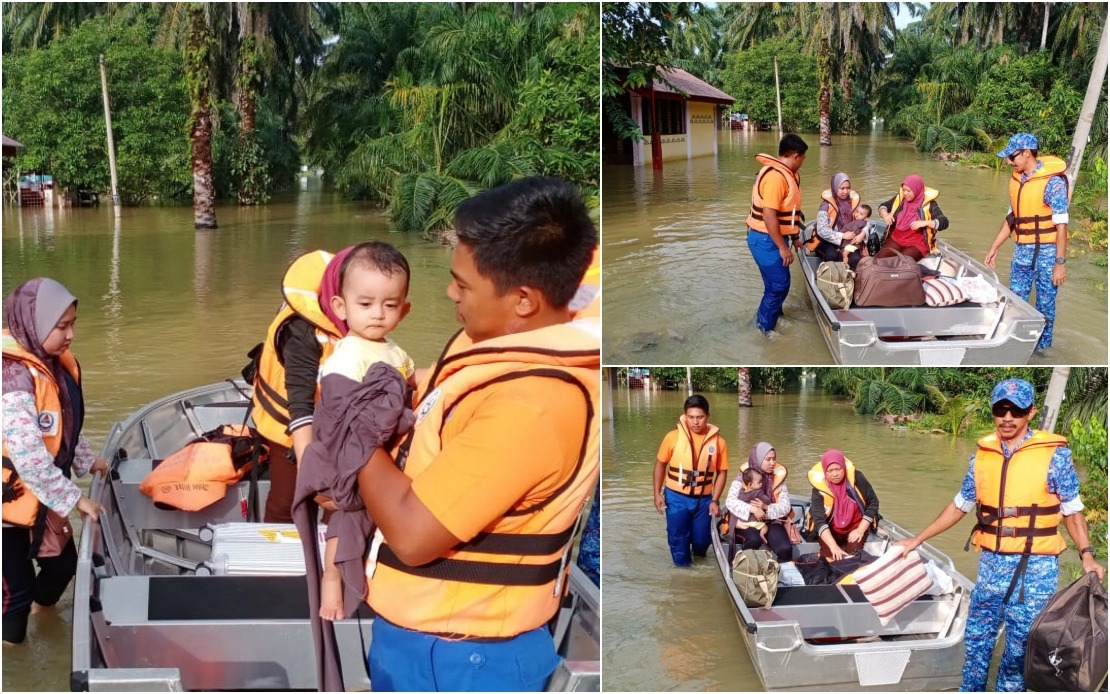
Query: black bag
point(1066, 651)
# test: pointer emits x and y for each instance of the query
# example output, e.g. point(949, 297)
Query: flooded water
point(681, 286)
point(671, 629)
point(163, 307)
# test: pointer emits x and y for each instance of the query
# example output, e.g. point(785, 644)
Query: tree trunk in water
point(744, 386)
point(824, 76)
point(848, 127)
point(198, 75)
point(249, 161)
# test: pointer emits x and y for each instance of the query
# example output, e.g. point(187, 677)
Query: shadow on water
point(681, 286)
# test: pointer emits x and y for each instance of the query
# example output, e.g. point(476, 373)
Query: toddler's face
point(859, 213)
point(373, 303)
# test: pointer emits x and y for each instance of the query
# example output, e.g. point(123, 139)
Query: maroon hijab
point(846, 511)
point(910, 211)
point(329, 287)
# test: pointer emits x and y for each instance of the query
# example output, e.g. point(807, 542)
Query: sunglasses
point(1012, 156)
point(1000, 409)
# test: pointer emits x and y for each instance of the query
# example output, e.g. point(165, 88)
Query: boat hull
point(922, 649)
point(1003, 333)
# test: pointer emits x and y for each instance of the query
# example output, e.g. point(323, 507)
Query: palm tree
point(744, 386)
point(34, 24)
point(199, 46)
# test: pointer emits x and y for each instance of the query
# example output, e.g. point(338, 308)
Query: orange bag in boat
point(199, 474)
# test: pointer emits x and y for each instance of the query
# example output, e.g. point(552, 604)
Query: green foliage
point(52, 104)
point(1087, 441)
point(420, 106)
point(250, 169)
point(749, 76)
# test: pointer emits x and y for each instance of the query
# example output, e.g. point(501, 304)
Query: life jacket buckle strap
point(1009, 512)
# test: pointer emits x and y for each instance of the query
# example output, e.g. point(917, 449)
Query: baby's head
point(861, 212)
point(373, 290)
point(752, 479)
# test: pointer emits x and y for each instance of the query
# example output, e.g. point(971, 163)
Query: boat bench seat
point(835, 611)
point(924, 321)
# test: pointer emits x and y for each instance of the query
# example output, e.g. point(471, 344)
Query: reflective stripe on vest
point(692, 472)
point(1032, 216)
point(270, 409)
point(1008, 489)
point(931, 194)
point(791, 218)
point(20, 506)
point(510, 578)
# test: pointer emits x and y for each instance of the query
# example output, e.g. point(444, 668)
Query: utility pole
point(656, 141)
point(111, 138)
point(778, 94)
point(1054, 397)
point(689, 383)
point(1044, 30)
point(1087, 114)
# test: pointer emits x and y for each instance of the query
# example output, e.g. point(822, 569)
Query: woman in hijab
point(843, 506)
point(43, 410)
point(763, 458)
point(913, 219)
point(299, 339)
point(835, 213)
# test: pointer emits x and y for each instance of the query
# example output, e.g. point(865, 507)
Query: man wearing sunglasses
point(1038, 223)
point(1021, 482)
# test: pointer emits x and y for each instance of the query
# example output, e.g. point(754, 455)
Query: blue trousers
point(776, 279)
point(688, 525)
point(987, 613)
point(402, 660)
point(1023, 277)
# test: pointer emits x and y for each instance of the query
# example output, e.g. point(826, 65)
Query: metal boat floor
point(793, 596)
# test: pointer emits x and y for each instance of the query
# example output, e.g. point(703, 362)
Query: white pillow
point(892, 582)
point(941, 292)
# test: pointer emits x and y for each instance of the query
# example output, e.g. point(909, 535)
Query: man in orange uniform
point(501, 462)
point(689, 476)
point(774, 222)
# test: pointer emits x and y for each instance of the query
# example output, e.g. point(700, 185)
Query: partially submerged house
point(688, 113)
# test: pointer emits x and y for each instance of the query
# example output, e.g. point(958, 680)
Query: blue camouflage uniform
point(589, 552)
point(987, 611)
point(1023, 274)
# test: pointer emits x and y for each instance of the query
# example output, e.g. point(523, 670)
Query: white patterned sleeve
point(28, 454)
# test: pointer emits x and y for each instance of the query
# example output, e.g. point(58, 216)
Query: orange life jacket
point(817, 479)
point(20, 506)
point(300, 287)
point(1032, 217)
point(834, 210)
point(587, 300)
point(931, 194)
point(199, 474)
point(693, 473)
point(511, 577)
point(791, 217)
point(1015, 510)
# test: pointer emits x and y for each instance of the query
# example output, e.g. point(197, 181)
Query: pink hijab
point(329, 287)
point(846, 510)
point(910, 211)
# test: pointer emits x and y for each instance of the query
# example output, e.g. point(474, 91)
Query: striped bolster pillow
point(941, 292)
point(891, 582)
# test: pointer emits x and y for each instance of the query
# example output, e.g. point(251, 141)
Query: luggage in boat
point(254, 549)
point(837, 283)
point(890, 281)
point(1066, 651)
point(756, 575)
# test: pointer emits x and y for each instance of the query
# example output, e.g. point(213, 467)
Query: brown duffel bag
point(891, 281)
point(1066, 650)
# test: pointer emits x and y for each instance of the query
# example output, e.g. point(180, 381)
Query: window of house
point(670, 116)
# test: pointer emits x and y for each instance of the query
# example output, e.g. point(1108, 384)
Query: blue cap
point(1015, 390)
point(1019, 142)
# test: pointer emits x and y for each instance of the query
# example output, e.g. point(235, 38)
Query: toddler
point(854, 239)
point(751, 489)
point(372, 300)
